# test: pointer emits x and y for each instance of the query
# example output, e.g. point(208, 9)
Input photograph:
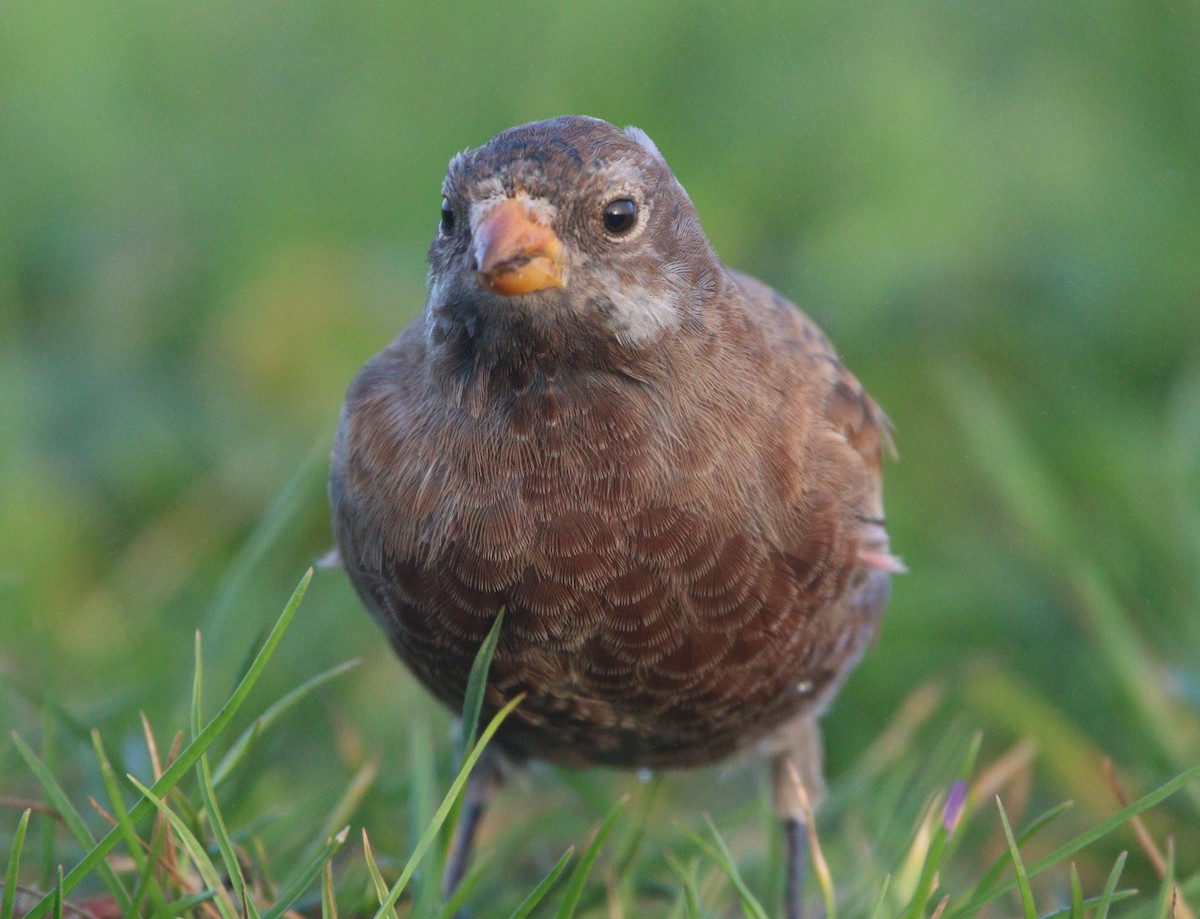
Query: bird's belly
point(657, 638)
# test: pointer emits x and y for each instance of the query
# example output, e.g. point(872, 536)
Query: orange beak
point(514, 253)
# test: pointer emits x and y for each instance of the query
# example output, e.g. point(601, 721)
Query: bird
point(657, 466)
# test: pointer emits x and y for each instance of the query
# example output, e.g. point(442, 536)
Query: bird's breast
point(650, 617)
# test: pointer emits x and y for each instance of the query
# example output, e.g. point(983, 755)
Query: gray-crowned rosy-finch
point(656, 465)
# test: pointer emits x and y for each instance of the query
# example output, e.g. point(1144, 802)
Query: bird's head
point(570, 219)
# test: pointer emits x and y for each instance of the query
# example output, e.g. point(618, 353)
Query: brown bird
point(656, 465)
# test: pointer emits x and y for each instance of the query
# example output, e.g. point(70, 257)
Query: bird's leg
point(482, 783)
point(798, 787)
point(795, 833)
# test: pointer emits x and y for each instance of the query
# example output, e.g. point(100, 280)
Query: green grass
point(211, 215)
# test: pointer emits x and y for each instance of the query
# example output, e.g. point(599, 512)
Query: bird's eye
point(620, 216)
point(447, 216)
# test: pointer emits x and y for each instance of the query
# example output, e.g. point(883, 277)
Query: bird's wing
point(846, 406)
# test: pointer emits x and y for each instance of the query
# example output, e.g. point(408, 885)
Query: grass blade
point(723, 858)
point(381, 887)
point(58, 895)
point(1167, 907)
point(547, 883)
point(959, 804)
point(992, 875)
point(477, 685)
point(1077, 907)
point(148, 884)
point(328, 901)
point(9, 894)
point(931, 864)
point(46, 866)
point(687, 886)
point(877, 911)
point(208, 797)
point(204, 865)
point(220, 833)
point(185, 905)
point(116, 801)
point(295, 888)
point(473, 702)
point(1087, 904)
point(1080, 842)
point(189, 756)
point(62, 803)
point(1027, 904)
point(625, 849)
point(443, 810)
point(583, 870)
point(1107, 897)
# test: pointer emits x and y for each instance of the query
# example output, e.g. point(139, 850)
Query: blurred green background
point(212, 214)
